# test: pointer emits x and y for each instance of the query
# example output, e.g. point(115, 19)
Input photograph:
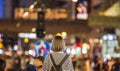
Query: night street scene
point(59, 35)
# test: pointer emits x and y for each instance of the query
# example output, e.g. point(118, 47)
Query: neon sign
point(81, 10)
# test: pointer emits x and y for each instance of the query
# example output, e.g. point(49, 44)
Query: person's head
point(2, 65)
point(58, 44)
point(30, 67)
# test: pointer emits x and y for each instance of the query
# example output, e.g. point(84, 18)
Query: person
point(56, 56)
point(116, 65)
point(74, 61)
point(99, 64)
point(87, 64)
point(30, 67)
point(2, 65)
point(39, 62)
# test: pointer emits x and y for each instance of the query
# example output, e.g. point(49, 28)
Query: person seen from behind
point(57, 60)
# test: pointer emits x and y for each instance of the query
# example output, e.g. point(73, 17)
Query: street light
point(74, 0)
point(32, 6)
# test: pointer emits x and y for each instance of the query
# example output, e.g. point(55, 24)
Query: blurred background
point(90, 28)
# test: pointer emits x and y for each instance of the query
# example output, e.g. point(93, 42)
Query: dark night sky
point(48, 3)
point(25, 3)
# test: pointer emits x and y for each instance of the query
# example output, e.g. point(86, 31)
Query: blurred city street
point(90, 29)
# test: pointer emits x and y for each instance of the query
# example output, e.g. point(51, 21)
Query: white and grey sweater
point(66, 66)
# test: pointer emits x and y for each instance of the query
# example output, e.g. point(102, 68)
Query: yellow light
point(39, 9)
point(101, 41)
point(21, 10)
point(31, 6)
point(101, 13)
point(63, 10)
point(1, 45)
point(25, 14)
point(26, 40)
point(33, 29)
point(83, 8)
point(31, 10)
point(64, 34)
point(85, 45)
point(58, 34)
point(48, 10)
point(79, 9)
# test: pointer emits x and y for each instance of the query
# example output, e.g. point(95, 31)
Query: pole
point(73, 10)
point(40, 29)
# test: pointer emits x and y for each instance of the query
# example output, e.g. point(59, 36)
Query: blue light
point(1, 8)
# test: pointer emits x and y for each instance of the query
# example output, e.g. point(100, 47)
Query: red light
point(79, 44)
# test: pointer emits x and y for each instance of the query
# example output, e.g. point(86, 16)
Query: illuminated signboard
point(50, 14)
point(1, 8)
point(81, 10)
point(27, 35)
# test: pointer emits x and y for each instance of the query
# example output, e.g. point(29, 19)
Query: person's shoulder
point(47, 55)
point(58, 53)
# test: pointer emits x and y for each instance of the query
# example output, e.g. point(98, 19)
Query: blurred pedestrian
point(2, 65)
point(87, 64)
point(17, 64)
point(74, 61)
point(24, 60)
point(110, 63)
point(99, 64)
point(116, 65)
point(80, 63)
point(39, 62)
point(57, 60)
point(30, 67)
point(10, 64)
point(105, 66)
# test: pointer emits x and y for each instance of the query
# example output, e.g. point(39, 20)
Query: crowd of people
point(57, 60)
point(97, 64)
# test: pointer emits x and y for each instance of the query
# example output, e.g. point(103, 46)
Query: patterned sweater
point(66, 66)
